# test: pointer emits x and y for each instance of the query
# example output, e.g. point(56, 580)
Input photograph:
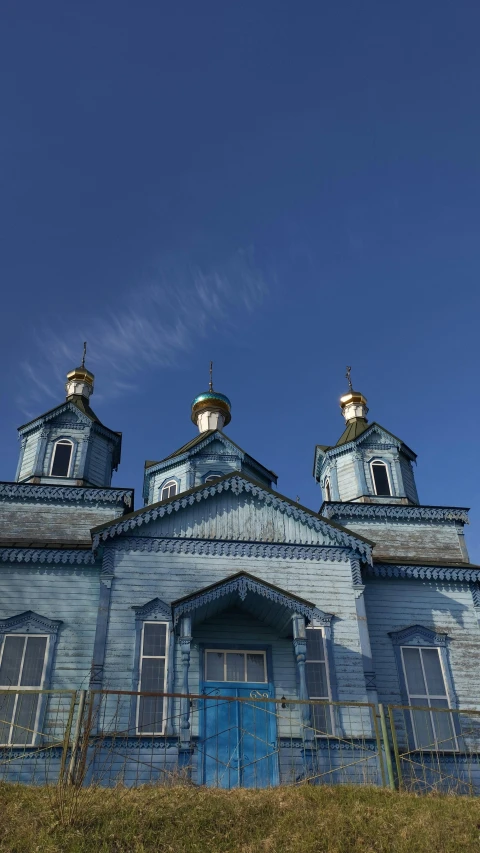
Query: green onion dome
point(211, 400)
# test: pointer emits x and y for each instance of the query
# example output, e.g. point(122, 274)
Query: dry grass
point(184, 819)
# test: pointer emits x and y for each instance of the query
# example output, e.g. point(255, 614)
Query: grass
point(184, 819)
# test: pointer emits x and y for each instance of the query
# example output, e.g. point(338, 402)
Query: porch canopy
point(264, 601)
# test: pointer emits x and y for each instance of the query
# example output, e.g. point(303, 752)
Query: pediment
point(233, 508)
point(377, 435)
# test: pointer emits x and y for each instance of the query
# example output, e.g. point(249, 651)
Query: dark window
point(212, 477)
point(22, 665)
point(317, 681)
point(153, 663)
point(380, 478)
point(169, 490)
point(62, 453)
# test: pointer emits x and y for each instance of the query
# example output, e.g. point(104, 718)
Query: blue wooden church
point(221, 586)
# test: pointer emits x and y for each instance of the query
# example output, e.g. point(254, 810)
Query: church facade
point(222, 586)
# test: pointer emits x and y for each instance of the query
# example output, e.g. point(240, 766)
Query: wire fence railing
point(252, 740)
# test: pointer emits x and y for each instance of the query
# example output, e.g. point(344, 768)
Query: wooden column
point(300, 647)
point(185, 641)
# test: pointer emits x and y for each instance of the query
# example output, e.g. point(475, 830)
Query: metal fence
point(113, 737)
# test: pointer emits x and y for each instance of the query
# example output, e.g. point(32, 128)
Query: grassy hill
point(185, 819)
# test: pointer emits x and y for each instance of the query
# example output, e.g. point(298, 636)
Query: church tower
point(68, 444)
point(368, 464)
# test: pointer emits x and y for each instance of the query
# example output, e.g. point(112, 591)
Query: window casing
point(212, 477)
point(61, 458)
point(151, 710)
point(328, 493)
point(236, 665)
point(23, 661)
point(169, 490)
point(318, 685)
point(380, 478)
point(427, 687)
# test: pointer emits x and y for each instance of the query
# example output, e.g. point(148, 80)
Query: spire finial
point(210, 384)
point(84, 353)
point(349, 378)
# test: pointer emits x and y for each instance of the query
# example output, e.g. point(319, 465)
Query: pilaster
point(364, 636)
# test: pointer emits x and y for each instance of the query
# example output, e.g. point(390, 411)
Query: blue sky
point(285, 188)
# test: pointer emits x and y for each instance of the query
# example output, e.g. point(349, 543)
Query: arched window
point(212, 477)
point(381, 480)
point(169, 490)
point(328, 494)
point(61, 458)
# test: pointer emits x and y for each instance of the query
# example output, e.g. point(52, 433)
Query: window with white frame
point(226, 665)
point(380, 477)
point(22, 664)
point(61, 458)
point(212, 477)
point(169, 490)
point(426, 687)
point(317, 680)
point(153, 678)
point(328, 494)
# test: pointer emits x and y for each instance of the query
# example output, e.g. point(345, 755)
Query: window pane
point(215, 666)
point(169, 491)
point(380, 476)
point(33, 662)
point(433, 672)
point(150, 714)
point(321, 719)
point(61, 460)
point(153, 674)
point(422, 723)
point(154, 639)
point(443, 724)
point(255, 668)
point(235, 666)
point(7, 702)
point(315, 648)
point(413, 668)
point(317, 680)
point(25, 717)
point(11, 660)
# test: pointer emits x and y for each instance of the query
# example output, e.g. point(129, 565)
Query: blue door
point(238, 743)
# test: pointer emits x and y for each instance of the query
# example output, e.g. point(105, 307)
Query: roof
point(198, 440)
point(356, 428)
point(81, 404)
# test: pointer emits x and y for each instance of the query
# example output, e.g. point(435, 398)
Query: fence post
point(395, 747)
point(66, 737)
point(386, 746)
point(76, 736)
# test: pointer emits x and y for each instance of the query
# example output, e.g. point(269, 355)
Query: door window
point(240, 666)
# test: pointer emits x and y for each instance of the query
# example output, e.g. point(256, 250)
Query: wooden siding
point(140, 577)
point(52, 522)
point(28, 460)
point(237, 517)
point(408, 479)
point(445, 607)
point(411, 540)
point(348, 488)
point(98, 469)
point(69, 594)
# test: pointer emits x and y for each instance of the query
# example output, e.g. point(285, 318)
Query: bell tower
point(68, 444)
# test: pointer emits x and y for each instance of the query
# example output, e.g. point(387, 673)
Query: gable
point(234, 508)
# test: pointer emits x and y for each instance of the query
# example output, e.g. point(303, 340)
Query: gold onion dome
point(353, 404)
point(80, 380)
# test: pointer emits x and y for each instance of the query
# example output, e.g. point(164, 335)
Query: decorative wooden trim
point(399, 512)
point(154, 609)
point(417, 635)
point(30, 622)
point(443, 573)
point(47, 555)
point(242, 584)
point(235, 548)
point(45, 492)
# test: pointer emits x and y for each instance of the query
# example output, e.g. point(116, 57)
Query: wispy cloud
point(152, 325)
